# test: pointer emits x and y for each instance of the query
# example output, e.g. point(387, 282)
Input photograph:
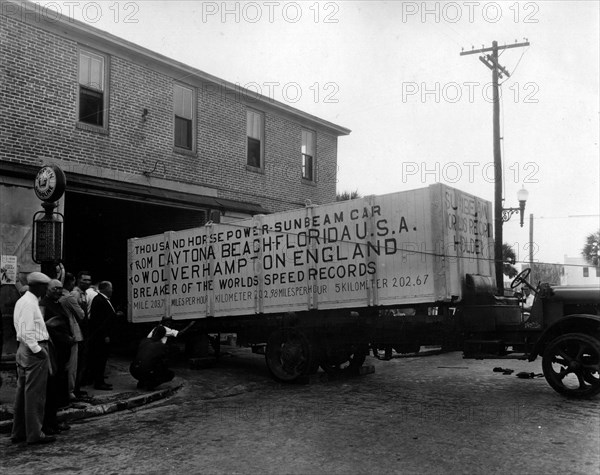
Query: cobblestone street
point(431, 414)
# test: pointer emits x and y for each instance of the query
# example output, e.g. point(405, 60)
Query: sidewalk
point(124, 394)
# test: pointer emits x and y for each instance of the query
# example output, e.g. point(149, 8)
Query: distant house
point(577, 271)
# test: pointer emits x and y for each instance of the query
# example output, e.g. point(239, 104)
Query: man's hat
point(37, 278)
point(54, 283)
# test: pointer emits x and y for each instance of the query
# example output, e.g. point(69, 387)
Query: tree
point(347, 195)
point(591, 249)
point(509, 260)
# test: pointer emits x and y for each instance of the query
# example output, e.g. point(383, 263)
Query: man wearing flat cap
point(33, 364)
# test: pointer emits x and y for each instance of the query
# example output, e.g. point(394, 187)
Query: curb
point(108, 408)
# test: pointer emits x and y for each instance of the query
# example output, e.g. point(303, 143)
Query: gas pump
point(47, 228)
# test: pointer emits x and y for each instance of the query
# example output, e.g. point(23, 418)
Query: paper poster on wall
point(8, 269)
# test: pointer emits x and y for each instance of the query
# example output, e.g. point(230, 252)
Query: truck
point(318, 286)
point(563, 327)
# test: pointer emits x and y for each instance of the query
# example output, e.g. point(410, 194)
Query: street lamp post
point(507, 213)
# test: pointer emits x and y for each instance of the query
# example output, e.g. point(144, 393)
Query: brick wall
point(38, 97)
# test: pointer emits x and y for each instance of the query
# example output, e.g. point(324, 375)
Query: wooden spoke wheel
point(571, 365)
point(290, 354)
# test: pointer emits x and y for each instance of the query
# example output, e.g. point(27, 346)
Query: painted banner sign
point(403, 248)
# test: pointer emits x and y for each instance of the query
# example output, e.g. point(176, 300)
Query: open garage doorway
point(97, 228)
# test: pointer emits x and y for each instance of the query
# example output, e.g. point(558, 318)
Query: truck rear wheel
point(571, 365)
point(290, 354)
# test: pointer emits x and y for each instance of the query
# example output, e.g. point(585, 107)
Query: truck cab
point(563, 328)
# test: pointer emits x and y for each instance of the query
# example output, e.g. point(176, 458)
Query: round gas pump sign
point(50, 183)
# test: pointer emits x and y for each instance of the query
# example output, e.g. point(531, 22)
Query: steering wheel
point(521, 279)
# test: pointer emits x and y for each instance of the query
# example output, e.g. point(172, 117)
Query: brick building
point(147, 144)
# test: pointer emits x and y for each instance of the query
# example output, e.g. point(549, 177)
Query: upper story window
point(308, 155)
point(255, 132)
point(92, 89)
point(183, 99)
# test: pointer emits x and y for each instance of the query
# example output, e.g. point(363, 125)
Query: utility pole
point(491, 61)
point(531, 247)
point(531, 240)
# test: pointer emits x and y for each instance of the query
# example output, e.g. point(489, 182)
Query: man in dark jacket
point(150, 364)
point(102, 318)
point(61, 342)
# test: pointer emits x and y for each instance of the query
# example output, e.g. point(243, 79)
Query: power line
point(569, 216)
point(516, 65)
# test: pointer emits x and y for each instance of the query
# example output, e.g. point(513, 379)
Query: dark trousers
point(82, 365)
point(57, 387)
point(98, 356)
point(51, 407)
point(57, 396)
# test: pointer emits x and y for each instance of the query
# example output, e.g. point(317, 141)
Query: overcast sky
point(419, 112)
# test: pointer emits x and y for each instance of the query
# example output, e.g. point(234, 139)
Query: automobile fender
point(583, 323)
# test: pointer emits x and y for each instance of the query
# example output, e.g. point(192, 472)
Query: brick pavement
point(124, 395)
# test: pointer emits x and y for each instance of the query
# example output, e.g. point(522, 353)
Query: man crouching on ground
point(150, 364)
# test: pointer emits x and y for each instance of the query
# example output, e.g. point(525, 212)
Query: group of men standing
point(63, 333)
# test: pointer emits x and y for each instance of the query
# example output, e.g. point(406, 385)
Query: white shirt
point(170, 332)
point(90, 293)
point(29, 323)
point(528, 302)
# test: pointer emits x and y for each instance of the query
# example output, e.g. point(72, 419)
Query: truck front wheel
point(571, 365)
point(290, 354)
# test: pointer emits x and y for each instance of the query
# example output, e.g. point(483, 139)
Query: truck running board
point(482, 348)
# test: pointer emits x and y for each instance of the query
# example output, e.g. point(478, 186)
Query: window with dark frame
point(586, 271)
point(183, 112)
point(91, 88)
point(308, 155)
point(255, 138)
